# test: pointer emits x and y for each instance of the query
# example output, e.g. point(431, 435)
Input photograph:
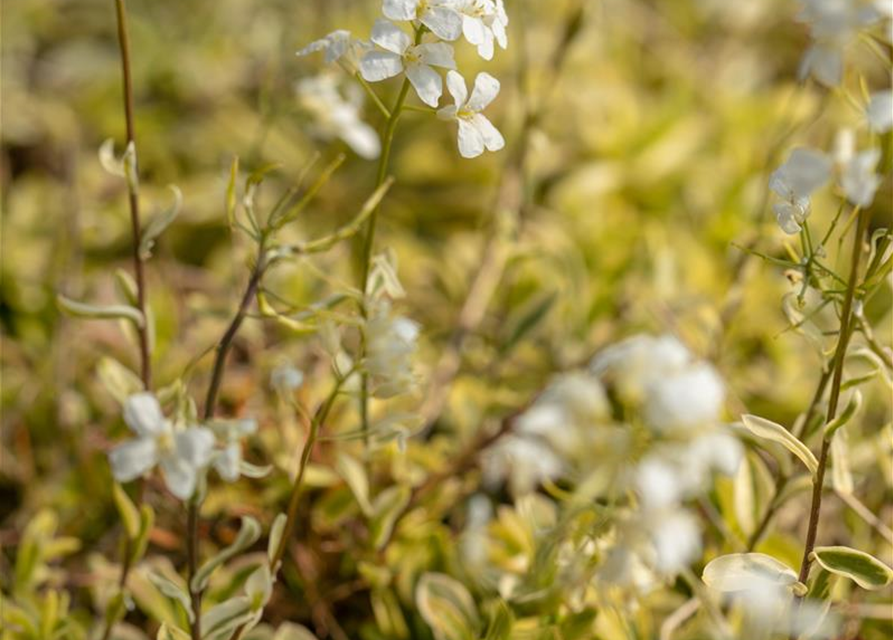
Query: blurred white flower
point(686, 400)
point(804, 172)
point(390, 346)
point(286, 378)
point(337, 116)
point(182, 454)
point(476, 132)
point(879, 111)
point(631, 365)
point(228, 460)
point(339, 47)
point(833, 24)
point(438, 15)
point(676, 537)
point(400, 54)
point(524, 462)
point(857, 169)
point(483, 23)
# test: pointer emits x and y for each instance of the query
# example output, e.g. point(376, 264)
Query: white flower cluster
point(807, 170)
point(393, 52)
point(336, 113)
point(183, 453)
point(679, 400)
point(833, 25)
point(675, 403)
point(390, 338)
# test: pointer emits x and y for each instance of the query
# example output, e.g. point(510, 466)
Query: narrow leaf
point(276, 531)
point(774, 432)
point(159, 223)
point(249, 532)
point(100, 312)
point(845, 416)
point(172, 590)
point(355, 477)
point(127, 510)
point(387, 508)
point(447, 606)
point(740, 571)
point(863, 569)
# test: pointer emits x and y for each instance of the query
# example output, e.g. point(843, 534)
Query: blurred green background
point(645, 173)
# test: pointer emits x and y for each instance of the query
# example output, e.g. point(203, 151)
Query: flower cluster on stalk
point(419, 55)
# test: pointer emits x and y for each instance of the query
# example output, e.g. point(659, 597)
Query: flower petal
point(133, 458)
point(486, 88)
point(400, 9)
point(227, 462)
point(179, 476)
point(380, 65)
point(194, 445)
point(427, 82)
point(438, 54)
point(143, 415)
point(493, 140)
point(390, 37)
point(457, 88)
point(444, 22)
point(471, 143)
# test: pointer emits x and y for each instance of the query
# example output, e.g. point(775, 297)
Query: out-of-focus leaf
point(292, 631)
point(249, 532)
point(100, 312)
point(159, 223)
point(860, 567)
point(172, 590)
point(447, 607)
point(127, 510)
point(739, 571)
point(389, 504)
point(499, 626)
point(119, 381)
point(276, 531)
point(845, 416)
point(355, 477)
point(774, 432)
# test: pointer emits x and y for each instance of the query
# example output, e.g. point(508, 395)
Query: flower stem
point(195, 596)
point(846, 331)
point(138, 267)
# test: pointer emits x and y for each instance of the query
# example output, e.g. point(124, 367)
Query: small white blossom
point(524, 462)
point(483, 23)
point(286, 378)
point(858, 178)
point(438, 15)
point(476, 132)
point(339, 47)
point(690, 399)
point(335, 116)
point(228, 460)
point(804, 172)
point(400, 54)
point(879, 112)
point(390, 347)
point(182, 454)
point(833, 24)
point(631, 365)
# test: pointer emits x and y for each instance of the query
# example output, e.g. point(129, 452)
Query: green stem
point(846, 331)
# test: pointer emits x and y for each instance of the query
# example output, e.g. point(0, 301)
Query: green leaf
point(126, 287)
point(147, 520)
point(100, 312)
point(292, 631)
point(387, 508)
point(130, 516)
point(276, 531)
point(118, 380)
point(166, 632)
point(845, 416)
point(501, 622)
point(355, 477)
point(863, 569)
point(774, 432)
point(736, 572)
point(249, 532)
point(172, 590)
point(226, 617)
point(159, 223)
point(447, 606)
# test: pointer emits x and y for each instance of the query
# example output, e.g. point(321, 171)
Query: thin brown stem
point(138, 267)
point(846, 331)
point(195, 595)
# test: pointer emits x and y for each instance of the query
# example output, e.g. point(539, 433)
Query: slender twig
point(846, 330)
point(195, 595)
point(138, 267)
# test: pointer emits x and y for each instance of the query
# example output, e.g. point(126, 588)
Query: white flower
point(525, 462)
point(631, 365)
point(857, 170)
point(805, 171)
point(390, 346)
point(676, 537)
point(339, 47)
point(180, 453)
point(833, 25)
point(438, 15)
point(879, 111)
point(483, 23)
point(476, 132)
point(228, 460)
point(335, 116)
point(690, 399)
point(400, 54)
